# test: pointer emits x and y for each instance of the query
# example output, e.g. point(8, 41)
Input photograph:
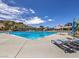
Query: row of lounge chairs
point(68, 46)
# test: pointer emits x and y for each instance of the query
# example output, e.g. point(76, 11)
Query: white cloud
point(10, 12)
point(32, 11)
point(50, 20)
point(16, 14)
point(34, 20)
point(13, 2)
point(4, 8)
point(46, 16)
point(0, 1)
point(6, 16)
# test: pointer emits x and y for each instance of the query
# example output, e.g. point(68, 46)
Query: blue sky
point(40, 12)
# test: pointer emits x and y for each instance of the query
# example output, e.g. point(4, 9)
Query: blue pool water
point(32, 35)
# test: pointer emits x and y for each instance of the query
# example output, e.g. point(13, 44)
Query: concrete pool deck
point(17, 47)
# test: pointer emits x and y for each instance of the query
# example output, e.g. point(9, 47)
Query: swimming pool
point(32, 35)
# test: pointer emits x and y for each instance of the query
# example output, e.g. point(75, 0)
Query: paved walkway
point(11, 46)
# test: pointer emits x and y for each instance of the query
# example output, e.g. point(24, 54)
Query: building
point(63, 28)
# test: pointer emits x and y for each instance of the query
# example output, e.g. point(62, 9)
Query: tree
point(41, 28)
